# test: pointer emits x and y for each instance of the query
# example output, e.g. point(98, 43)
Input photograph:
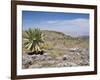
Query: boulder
point(75, 50)
point(65, 57)
point(26, 61)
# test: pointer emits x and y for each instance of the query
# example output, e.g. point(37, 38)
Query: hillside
point(60, 40)
point(62, 50)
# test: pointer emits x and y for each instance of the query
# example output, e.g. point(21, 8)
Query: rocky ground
point(72, 57)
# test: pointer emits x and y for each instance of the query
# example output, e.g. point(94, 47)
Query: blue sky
point(75, 24)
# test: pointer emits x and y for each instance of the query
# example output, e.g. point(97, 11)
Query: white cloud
point(52, 22)
point(77, 26)
point(74, 22)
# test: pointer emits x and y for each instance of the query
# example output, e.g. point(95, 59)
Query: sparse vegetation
point(56, 45)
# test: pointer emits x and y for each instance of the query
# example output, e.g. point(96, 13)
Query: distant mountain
point(84, 37)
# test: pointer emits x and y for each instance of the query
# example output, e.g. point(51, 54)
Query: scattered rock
point(74, 57)
point(46, 54)
point(75, 50)
point(26, 61)
point(34, 57)
point(71, 64)
point(65, 57)
point(62, 64)
point(66, 64)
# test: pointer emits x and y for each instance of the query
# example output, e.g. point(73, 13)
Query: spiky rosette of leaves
point(33, 38)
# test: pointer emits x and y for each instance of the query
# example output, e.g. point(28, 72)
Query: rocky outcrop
point(68, 59)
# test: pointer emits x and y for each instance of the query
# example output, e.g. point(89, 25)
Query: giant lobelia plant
point(32, 39)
